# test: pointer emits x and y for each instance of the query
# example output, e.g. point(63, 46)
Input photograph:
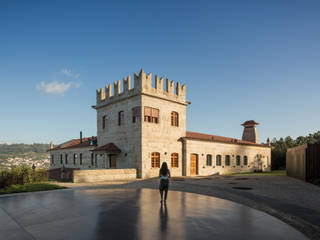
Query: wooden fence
point(303, 162)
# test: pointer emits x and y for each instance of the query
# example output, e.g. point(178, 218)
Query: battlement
point(142, 85)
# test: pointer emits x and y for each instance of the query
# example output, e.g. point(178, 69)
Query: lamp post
point(33, 172)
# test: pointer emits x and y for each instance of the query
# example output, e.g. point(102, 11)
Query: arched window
point(120, 118)
point(74, 158)
point(238, 160)
point(227, 162)
point(209, 160)
point(245, 160)
point(155, 160)
point(61, 159)
point(174, 119)
point(52, 159)
point(80, 158)
point(218, 160)
point(174, 160)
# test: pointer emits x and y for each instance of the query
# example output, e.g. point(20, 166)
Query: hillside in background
point(24, 154)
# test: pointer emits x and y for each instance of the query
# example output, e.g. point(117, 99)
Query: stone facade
point(104, 175)
point(258, 158)
point(70, 158)
point(145, 121)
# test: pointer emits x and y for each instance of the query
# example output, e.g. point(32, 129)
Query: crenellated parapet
point(142, 85)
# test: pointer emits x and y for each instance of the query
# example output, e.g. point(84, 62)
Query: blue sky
point(240, 60)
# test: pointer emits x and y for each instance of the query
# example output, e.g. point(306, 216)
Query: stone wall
point(202, 148)
point(103, 175)
point(86, 158)
point(162, 137)
point(127, 137)
point(59, 175)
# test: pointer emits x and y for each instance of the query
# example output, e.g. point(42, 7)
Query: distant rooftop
point(76, 143)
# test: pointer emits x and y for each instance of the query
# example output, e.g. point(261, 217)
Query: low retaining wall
point(59, 174)
point(98, 175)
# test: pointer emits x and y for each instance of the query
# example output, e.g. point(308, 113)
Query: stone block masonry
point(100, 175)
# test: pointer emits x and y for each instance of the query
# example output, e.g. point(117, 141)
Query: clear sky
point(240, 60)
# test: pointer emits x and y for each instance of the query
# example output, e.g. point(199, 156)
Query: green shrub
point(29, 187)
point(22, 175)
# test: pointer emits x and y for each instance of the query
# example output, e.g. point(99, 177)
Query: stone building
point(143, 126)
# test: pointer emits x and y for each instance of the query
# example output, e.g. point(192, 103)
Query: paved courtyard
point(86, 213)
point(290, 200)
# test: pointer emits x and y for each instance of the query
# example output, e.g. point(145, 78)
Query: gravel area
point(293, 201)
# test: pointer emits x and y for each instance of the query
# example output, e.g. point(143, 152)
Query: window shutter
point(155, 112)
point(147, 111)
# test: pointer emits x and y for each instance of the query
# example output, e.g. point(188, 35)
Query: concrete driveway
point(133, 213)
point(290, 200)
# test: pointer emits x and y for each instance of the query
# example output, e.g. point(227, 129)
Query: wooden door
point(112, 159)
point(193, 164)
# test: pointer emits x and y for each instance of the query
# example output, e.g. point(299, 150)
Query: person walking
point(164, 175)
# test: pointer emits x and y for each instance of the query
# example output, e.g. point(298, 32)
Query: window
point(174, 119)
point(227, 160)
point(80, 158)
point(96, 160)
point(104, 122)
point(136, 114)
point(66, 158)
point(218, 160)
point(238, 160)
point(155, 160)
point(61, 159)
point(52, 159)
point(209, 160)
point(120, 118)
point(92, 155)
point(245, 160)
point(151, 115)
point(74, 158)
point(174, 160)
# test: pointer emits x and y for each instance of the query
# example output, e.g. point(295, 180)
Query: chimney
point(268, 142)
point(80, 136)
point(51, 145)
point(250, 133)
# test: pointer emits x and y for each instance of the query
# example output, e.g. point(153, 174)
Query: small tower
point(250, 133)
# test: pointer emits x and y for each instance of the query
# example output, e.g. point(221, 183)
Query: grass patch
point(29, 187)
point(272, 173)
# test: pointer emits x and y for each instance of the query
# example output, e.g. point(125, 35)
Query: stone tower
point(250, 133)
point(146, 127)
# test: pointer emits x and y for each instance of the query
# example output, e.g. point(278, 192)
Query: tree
point(279, 148)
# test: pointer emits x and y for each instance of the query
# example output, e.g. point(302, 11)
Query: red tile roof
point(110, 147)
point(215, 138)
point(74, 143)
point(249, 123)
